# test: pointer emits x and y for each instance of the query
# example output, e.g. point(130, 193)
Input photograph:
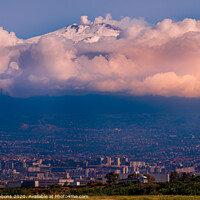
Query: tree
point(196, 179)
point(174, 177)
point(56, 186)
point(66, 183)
point(150, 178)
point(95, 183)
point(112, 178)
point(186, 177)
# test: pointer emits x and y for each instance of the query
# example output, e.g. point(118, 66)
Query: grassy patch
point(148, 197)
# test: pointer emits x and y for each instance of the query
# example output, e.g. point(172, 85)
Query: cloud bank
point(126, 57)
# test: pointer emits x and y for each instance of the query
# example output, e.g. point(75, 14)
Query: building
point(9, 165)
point(22, 183)
point(143, 179)
point(125, 180)
point(136, 164)
point(109, 161)
point(50, 182)
point(30, 183)
point(117, 161)
point(34, 169)
point(125, 170)
point(159, 178)
point(76, 183)
point(117, 171)
point(14, 184)
point(185, 169)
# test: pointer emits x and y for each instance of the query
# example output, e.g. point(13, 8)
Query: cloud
point(127, 56)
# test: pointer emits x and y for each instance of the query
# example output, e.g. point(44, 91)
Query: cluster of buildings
point(37, 172)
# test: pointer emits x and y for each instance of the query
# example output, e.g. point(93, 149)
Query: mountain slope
point(90, 32)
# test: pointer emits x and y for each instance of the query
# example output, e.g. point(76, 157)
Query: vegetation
point(178, 185)
point(179, 188)
point(129, 188)
point(150, 178)
point(146, 198)
point(112, 177)
point(149, 197)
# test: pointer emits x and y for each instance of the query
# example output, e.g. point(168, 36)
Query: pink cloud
point(127, 56)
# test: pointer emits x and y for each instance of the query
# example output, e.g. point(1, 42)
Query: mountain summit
point(84, 31)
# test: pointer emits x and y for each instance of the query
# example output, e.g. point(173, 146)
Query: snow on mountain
point(87, 32)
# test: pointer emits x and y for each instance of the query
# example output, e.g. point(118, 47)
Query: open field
point(146, 198)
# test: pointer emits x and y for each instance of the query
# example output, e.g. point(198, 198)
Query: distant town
point(77, 149)
point(80, 171)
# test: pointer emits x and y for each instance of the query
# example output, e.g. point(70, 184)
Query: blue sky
point(29, 18)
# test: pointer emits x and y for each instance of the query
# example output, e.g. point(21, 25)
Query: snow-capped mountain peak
point(87, 32)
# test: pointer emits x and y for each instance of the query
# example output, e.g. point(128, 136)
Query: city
point(79, 147)
point(48, 172)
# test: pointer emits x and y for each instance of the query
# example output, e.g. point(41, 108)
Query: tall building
point(67, 175)
point(109, 161)
point(40, 161)
point(24, 163)
point(118, 162)
point(87, 172)
point(125, 170)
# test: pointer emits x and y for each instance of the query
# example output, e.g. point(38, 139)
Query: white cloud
point(137, 59)
point(84, 20)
